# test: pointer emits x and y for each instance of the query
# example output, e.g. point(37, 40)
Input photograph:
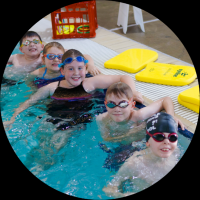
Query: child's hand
point(93, 70)
point(137, 96)
point(178, 122)
point(8, 124)
point(114, 192)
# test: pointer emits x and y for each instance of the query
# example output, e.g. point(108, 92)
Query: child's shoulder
point(102, 116)
point(39, 72)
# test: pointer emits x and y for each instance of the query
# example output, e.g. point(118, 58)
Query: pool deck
point(119, 43)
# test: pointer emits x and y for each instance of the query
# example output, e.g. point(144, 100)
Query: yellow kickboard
point(191, 95)
point(191, 106)
point(131, 60)
point(167, 74)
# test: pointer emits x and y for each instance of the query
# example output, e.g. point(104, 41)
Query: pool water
point(70, 163)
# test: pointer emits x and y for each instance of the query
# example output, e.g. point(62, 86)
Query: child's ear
point(62, 71)
point(43, 60)
point(147, 144)
point(42, 45)
point(86, 68)
point(20, 48)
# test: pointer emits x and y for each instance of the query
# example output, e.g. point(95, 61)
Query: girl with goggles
point(70, 60)
point(53, 56)
point(51, 72)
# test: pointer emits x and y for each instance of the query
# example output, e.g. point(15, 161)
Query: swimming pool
point(71, 165)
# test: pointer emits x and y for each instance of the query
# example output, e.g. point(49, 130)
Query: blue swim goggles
point(70, 59)
point(52, 56)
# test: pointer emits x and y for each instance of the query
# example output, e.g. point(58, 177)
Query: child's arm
point(42, 93)
point(10, 60)
point(91, 68)
point(36, 72)
point(104, 81)
point(131, 133)
point(164, 103)
point(125, 172)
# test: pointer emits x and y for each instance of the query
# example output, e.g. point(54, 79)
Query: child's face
point(52, 65)
point(74, 73)
point(119, 114)
point(162, 149)
point(32, 49)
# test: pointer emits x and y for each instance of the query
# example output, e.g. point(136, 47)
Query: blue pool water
point(72, 165)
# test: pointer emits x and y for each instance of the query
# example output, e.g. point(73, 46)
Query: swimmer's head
point(52, 55)
point(73, 54)
point(53, 44)
point(31, 44)
point(29, 34)
point(119, 102)
point(161, 134)
point(73, 67)
point(119, 90)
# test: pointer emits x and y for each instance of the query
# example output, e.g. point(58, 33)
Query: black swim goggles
point(121, 104)
point(52, 56)
point(159, 137)
point(27, 42)
point(70, 60)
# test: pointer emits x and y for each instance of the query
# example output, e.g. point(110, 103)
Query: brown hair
point(119, 89)
point(71, 53)
point(53, 44)
point(29, 34)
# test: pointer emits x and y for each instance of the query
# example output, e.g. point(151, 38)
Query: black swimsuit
point(73, 105)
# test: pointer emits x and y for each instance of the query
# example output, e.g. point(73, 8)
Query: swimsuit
point(72, 106)
point(40, 82)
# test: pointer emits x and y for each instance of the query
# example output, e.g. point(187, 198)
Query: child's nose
point(117, 108)
point(31, 43)
point(166, 141)
point(56, 58)
point(76, 71)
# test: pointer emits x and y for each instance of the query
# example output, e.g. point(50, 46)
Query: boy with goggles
point(31, 47)
point(153, 163)
point(122, 121)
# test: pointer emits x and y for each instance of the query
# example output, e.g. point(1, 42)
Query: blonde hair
point(119, 89)
point(53, 44)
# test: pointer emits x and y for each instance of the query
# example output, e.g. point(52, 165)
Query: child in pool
point(122, 121)
point(75, 85)
point(31, 46)
point(153, 163)
point(52, 56)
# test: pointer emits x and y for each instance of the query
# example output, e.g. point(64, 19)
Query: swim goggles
point(27, 42)
point(121, 104)
point(70, 60)
point(159, 137)
point(53, 56)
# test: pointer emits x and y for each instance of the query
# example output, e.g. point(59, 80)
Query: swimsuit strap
point(44, 72)
point(58, 83)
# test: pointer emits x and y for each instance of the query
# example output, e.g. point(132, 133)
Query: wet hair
point(30, 34)
point(53, 44)
point(119, 90)
point(71, 53)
